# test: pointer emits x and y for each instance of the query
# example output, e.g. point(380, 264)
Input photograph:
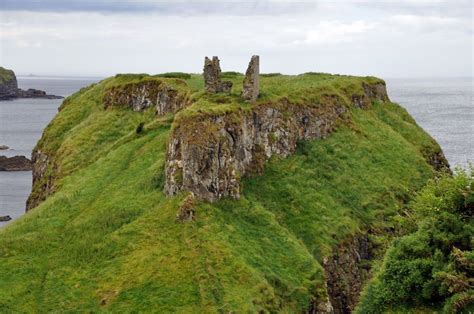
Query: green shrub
point(434, 265)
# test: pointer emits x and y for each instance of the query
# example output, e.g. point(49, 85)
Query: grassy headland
point(108, 240)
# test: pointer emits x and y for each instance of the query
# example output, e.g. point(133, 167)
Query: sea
point(443, 107)
point(22, 122)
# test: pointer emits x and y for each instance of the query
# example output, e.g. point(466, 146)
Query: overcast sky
point(386, 38)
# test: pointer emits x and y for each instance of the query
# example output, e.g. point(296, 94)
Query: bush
point(434, 265)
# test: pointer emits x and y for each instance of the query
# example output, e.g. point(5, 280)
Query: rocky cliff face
point(144, 94)
point(44, 171)
point(438, 161)
point(346, 271)
point(208, 155)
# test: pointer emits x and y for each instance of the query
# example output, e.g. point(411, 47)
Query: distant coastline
point(9, 88)
point(58, 77)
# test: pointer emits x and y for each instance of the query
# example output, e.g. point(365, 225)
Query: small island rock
point(16, 163)
point(5, 218)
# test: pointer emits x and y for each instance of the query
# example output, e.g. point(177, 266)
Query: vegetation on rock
point(6, 75)
point(8, 84)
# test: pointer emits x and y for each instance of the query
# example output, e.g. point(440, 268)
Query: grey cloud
point(189, 8)
point(455, 8)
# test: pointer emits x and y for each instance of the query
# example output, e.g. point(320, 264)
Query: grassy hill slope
point(108, 240)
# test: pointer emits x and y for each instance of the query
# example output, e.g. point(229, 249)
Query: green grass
point(108, 240)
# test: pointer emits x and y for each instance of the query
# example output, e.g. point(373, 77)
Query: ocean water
point(443, 107)
point(21, 124)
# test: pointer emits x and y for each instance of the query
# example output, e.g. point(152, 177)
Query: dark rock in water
point(5, 218)
point(35, 93)
point(3, 147)
point(9, 88)
point(17, 163)
point(212, 80)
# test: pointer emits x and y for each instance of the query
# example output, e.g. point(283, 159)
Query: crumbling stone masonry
point(212, 80)
point(251, 82)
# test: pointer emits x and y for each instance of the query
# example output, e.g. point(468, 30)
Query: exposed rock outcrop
point(346, 272)
point(251, 87)
point(44, 171)
point(187, 210)
point(372, 92)
point(212, 80)
point(145, 94)
point(208, 155)
point(9, 88)
point(3, 147)
point(438, 161)
point(319, 307)
point(16, 163)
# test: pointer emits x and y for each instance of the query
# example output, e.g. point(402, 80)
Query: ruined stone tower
point(251, 87)
point(212, 81)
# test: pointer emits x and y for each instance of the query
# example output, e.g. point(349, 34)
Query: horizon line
point(79, 76)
